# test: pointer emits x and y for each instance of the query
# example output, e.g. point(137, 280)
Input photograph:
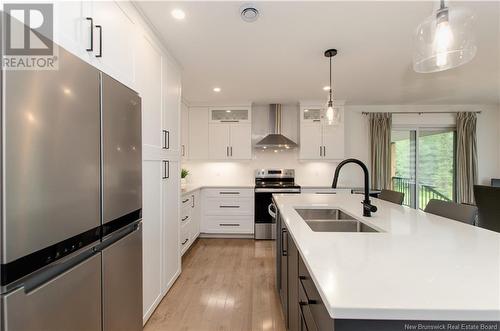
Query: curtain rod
point(422, 112)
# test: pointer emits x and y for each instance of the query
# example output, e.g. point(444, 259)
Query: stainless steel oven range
point(267, 182)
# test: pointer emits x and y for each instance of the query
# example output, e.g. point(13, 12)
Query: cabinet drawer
point(185, 239)
point(312, 306)
point(185, 216)
point(230, 192)
point(228, 224)
point(186, 201)
point(229, 206)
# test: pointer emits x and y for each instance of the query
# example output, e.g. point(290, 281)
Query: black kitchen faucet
point(368, 208)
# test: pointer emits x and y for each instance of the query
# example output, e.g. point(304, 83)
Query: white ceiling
point(280, 58)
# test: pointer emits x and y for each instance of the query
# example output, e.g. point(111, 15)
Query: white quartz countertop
point(193, 187)
point(419, 267)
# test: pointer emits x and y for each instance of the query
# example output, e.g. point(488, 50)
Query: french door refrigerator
point(71, 236)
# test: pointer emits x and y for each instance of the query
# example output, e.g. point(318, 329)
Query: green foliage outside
point(436, 162)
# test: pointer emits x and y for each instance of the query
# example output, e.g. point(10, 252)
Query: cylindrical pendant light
point(444, 40)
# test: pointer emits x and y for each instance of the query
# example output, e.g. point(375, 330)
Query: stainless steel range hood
point(276, 139)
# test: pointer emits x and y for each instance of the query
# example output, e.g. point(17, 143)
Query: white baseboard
point(158, 300)
point(227, 235)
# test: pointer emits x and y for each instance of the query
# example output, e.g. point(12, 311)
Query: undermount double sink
point(332, 220)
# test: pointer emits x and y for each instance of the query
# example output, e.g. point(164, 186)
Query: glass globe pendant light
point(444, 40)
point(332, 114)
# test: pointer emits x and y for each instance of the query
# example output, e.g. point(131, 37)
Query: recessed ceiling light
point(217, 89)
point(178, 14)
point(326, 88)
point(249, 12)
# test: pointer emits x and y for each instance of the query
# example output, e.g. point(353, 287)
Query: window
point(423, 164)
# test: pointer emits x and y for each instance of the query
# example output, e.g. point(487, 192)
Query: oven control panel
point(274, 173)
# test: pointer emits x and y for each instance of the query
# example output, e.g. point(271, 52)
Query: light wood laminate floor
point(226, 284)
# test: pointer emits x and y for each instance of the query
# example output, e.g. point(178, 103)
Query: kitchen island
point(415, 267)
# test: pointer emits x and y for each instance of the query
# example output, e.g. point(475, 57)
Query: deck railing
point(426, 192)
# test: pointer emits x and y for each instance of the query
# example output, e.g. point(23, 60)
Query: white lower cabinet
point(152, 235)
point(170, 244)
point(189, 220)
point(234, 224)
point(228, 211)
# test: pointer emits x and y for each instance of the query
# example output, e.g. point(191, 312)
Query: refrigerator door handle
point(116, 236)
point(43, 277)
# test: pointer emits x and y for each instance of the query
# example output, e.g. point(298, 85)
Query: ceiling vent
point(249, 13)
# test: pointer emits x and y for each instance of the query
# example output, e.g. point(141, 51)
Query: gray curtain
point(466, 156)
point(380, 149)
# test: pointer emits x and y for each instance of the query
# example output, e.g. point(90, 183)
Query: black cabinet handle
point(166, 169)
point(229, 192)
point(185, 241)
point(284, 252)
point(320, 151)
point(183, 150)
point(100, 40)
point(324, 150)
point(184, 218)
point(227, 150)
point(229, 224)
point(91, 48)
point(229, 206)
point(308, 302)
point(166, 139)
point(185, 200)
point(192, 200)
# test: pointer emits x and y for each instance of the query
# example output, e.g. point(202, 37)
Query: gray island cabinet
point(304, 309)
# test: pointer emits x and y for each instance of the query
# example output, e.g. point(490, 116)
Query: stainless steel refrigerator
point(71, 236)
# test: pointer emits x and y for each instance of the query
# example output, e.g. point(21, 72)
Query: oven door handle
point(270, 210)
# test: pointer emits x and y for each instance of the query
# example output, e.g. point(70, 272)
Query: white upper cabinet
point(230, 133)
point(219, 141)
point(311, 141)
point(217, 133)
point(318, 140)
point(148, 81)
point(184, 130)
point(172, 91)
point(114, 41)
point(73, 27)
point(241, 141)
point(333, 142)
point(230, 115)
point(198, 133)
point(311, 115)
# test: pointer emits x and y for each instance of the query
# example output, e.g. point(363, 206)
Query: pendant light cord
point(330, 79)
point(442, 5)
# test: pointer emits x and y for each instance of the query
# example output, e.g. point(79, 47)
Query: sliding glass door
point(423, 164)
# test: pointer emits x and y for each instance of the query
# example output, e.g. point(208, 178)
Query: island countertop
point(418, 267)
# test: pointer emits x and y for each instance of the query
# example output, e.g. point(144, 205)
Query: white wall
point(357, 146)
